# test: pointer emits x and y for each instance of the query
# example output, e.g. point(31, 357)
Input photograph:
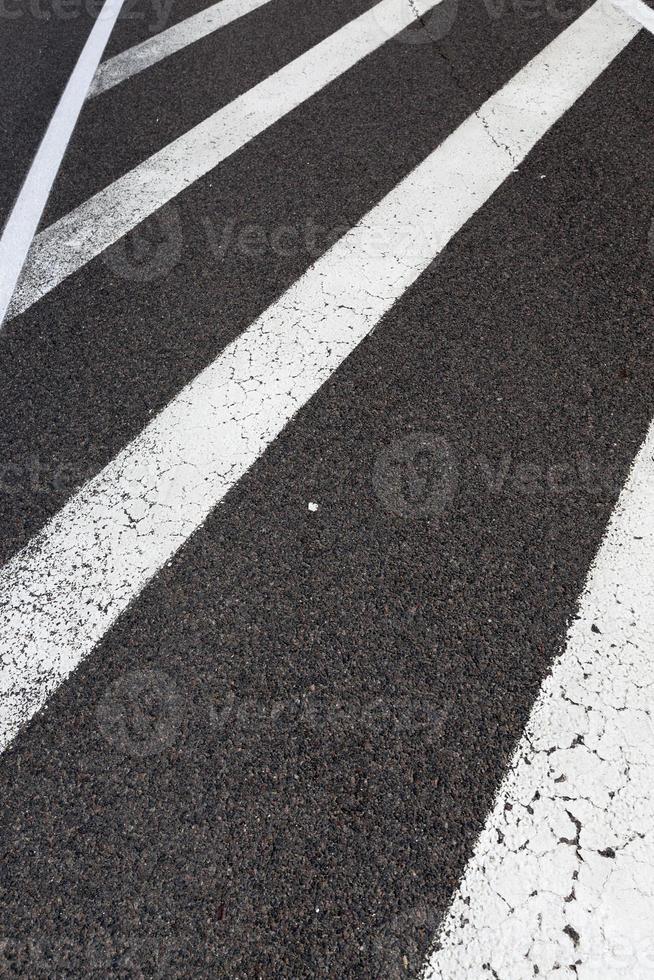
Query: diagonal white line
point(563, 872)
point(128, 63)
point(62, 592)
point(78, 237)
point(26, 213)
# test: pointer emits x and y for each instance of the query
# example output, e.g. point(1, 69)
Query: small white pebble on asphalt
point(313, 507)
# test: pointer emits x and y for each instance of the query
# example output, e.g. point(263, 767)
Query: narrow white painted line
point(128, 63)
point(562, 879)
point(26, 213)
point(639, 11)
point(78, 237)
point(63, 591)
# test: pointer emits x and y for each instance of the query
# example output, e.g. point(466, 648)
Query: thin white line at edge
point(79, 236)
point(26, 213)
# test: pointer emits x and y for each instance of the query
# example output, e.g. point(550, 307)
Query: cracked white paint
point(122, 66)
point(562, 879)
point(63, 591)
point(68, 244)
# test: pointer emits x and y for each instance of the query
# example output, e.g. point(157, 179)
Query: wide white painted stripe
point(122, 66)
point(78, 237)
point(62, 592)
point(562, 879)
point(26, 213)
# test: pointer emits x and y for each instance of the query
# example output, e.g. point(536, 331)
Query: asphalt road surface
point(327, 493)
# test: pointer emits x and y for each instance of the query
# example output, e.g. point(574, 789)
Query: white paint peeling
point(561, 883)
point(64, 590)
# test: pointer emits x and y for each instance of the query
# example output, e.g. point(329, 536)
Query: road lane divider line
point(562, 877)
point(75, 239)
point(61, 593)
point(122, 66)
point(26, 213)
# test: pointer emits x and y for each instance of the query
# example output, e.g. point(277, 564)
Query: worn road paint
point(122, 66)
point(563, 872)
point(78, 237)
point(63, 591)
point(26, 213)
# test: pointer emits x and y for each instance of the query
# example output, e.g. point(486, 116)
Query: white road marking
point(122, 66)
point(26, 213)
point(639, 11)
point(71, 242)
point(563, 872)
point(64, 590)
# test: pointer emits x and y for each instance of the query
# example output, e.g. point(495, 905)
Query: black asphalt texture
point(38, 51)
point(277, 762)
